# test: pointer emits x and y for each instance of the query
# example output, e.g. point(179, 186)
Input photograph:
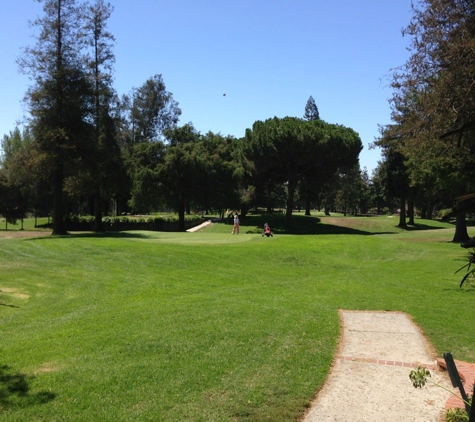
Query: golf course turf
point(208, 326)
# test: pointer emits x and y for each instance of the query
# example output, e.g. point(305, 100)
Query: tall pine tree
point(105, 162)
point(59, 98)
point(311, 110)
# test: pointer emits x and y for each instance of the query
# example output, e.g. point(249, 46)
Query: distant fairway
point(208, 326)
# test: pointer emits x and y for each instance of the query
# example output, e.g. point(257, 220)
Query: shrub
point(456, 415)
point(442, 213)
point(87, 219)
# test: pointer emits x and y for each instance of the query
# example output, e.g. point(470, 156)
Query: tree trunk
point(423, 212)
point(410, 208)
point(181, 214)
point(58, 206)
point(402, 214)
point(461, 234)
point(97, 213)
point(244, 209)
point(430, 208)
point(290, 203)
point(307, 207)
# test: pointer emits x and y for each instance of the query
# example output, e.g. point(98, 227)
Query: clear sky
point(267, 56)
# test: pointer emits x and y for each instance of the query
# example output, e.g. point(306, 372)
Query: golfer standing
point(236, 224)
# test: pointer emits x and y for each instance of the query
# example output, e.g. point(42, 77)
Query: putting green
point(194, 238)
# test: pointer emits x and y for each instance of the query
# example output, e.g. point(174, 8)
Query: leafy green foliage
point(456, 415)
point(59, 100)
point(104, 163)
point(144, 165)
point(419, 377)
point(153, 110)
point(433, 105)
point(287, 151)
point(470, 270)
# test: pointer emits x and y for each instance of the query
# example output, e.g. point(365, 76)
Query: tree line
point(85, 149)
point(429, 147)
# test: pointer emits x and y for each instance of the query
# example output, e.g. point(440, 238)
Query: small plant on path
point(420, 377)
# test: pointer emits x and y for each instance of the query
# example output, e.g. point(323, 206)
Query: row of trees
point(280, 162)
point(85, 148)
point(429, 148)
point(80, 134)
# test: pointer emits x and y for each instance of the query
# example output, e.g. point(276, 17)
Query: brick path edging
point(467, 375)
point(388, 362)
point(466, 371)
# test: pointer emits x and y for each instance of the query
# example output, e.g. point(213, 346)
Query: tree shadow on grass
point(461, 290)
point(115, 235)
point(420, 226)
point(302, 226)
point(2, 303)
point(8, 305)
point(15, 391)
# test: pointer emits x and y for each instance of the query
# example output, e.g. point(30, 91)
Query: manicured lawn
point(207, 326)
point(28, 224)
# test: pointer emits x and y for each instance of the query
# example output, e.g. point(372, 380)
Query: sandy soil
point(11, 234)
point(370, 377)
point(195, 229)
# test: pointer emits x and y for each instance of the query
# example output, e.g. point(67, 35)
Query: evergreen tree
point(220, 188)
point(153, 110)
point(290, 149)
point(145, 115)
point(104, 164)
point(433, 100)
point(182, 173)
point(59, 99)
point(311, 110)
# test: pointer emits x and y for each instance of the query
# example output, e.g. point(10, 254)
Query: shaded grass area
point(28, 224)
point(208, 326)
point(14, 390)
point(319, 223)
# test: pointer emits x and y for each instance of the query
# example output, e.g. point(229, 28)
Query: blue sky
point(267, 56)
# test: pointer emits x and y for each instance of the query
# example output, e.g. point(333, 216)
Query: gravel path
point(370, 377)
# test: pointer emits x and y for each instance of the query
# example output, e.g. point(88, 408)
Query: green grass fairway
point(207, 326)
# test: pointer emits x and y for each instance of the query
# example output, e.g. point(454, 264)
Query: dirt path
point(12, 234)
